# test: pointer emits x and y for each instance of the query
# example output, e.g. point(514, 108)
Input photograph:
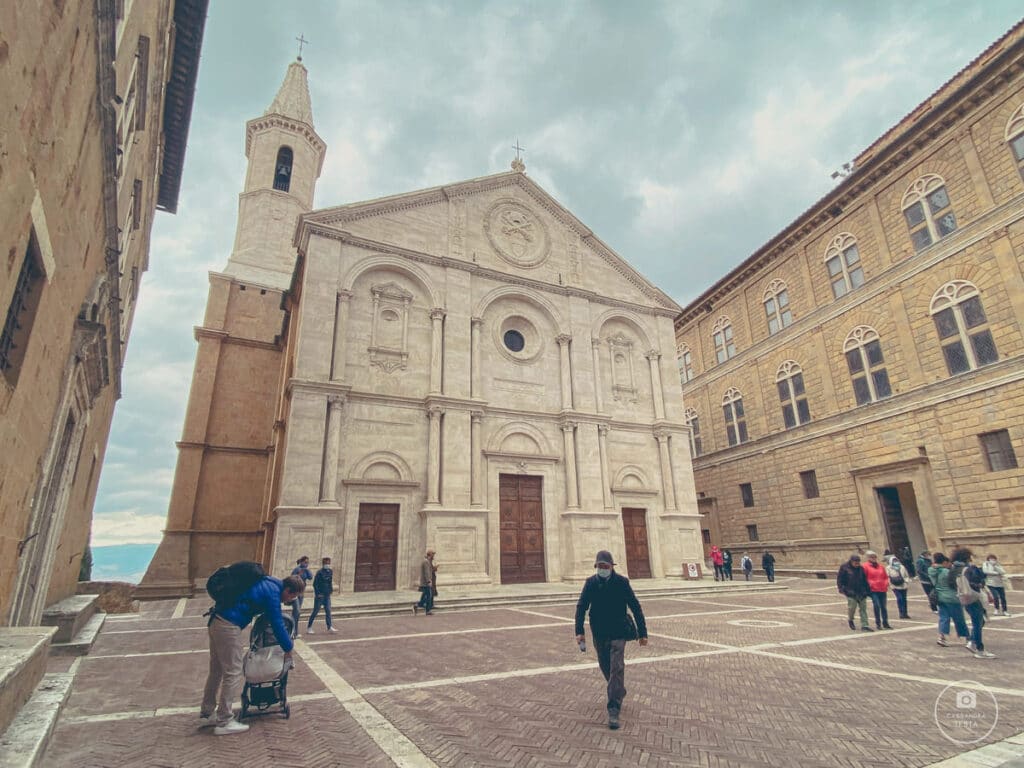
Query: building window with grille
point(842, 260)
point(283, 169)
point(1015, 137)
point(809, 480)
point(964, 334)
point(685, 361)
point(752, 533)
point(928, 211)
point(696, 448)
point(21, 312)
point(722, 335)
point(864, 359)
point(790, 381)
point(998, 450)
point(776, 306)
point(747, 494)
point(735, 419)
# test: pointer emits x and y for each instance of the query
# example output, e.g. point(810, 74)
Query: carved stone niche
point(389, 331)
point(623, 380)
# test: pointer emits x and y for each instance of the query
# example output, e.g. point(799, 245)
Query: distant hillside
point(121, 562)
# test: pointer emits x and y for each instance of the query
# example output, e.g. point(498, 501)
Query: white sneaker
point(206, 721)
point(309, 631)
point(230, 727)
point(970, 647)
point(332, 630)
point(984, 655)
point(1006, 613)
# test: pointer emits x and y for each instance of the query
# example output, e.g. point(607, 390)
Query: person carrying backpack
point(747, 565)
point(943, 575)
point(240, 591)
point(899, 578)
point(323, 586)
point(970, 586)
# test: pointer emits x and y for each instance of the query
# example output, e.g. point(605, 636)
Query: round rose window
point(514, 341)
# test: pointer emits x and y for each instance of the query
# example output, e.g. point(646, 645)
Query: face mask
point(604, 573)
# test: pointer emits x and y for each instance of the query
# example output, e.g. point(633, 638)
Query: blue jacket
point(302, 571)
point(262, 597)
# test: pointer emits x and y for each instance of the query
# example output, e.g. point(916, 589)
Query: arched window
point(283, 169)
point(735, 418)
point(863, 350)
point(722, 335)
point(693, 422)
point(776, 306)
point(790, 381)
point(685, 360)
point(842, 259)
point(963, 328)
point(1015, 137)
point(928, 211)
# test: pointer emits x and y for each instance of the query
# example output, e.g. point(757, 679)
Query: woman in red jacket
point(718, 560)
point(878, 582)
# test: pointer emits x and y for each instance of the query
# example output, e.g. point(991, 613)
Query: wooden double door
point(522, 528)
point(376, 547)
point(638, 556)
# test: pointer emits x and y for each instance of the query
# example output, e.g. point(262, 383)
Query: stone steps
point(23, 654)
point(24, 742)
point(69, 616)
point(80, 644)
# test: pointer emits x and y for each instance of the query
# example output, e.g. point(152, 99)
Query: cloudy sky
point(685, 134)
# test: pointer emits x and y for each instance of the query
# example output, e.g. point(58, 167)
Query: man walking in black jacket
point(852, 582)
point(607, 594)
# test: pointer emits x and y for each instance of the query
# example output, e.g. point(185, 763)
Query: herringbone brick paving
point(719, 705)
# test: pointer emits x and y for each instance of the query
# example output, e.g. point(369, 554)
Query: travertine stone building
point(97, 100)
point(465, 367)
point(859, 380)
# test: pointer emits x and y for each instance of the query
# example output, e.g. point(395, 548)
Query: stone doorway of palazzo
point(638, 555)
point(900, 518)
point(376, 547)
point(521, 513)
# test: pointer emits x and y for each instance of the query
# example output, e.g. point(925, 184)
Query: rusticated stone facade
point(882, 396)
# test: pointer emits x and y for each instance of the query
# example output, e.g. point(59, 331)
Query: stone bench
point(77, 622)
point(23, 654)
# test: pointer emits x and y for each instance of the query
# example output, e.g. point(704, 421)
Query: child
point(323, 586)
point(994, 573)
point(301, 570)
point(899, 577)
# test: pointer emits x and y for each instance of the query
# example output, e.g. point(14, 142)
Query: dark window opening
point(747, 492)
point(752, 533)
point(809, 480)
point(514, 341)
point(998, 450)
point(21, 313)
point(283, 170)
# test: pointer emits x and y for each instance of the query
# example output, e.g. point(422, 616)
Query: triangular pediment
point(505, 222)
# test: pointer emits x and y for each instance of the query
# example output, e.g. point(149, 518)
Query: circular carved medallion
point(516, 233)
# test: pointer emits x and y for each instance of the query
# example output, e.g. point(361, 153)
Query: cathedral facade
point(467, 368)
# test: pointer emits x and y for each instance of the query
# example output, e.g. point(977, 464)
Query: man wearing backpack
point(898, 578)
point(241, 591)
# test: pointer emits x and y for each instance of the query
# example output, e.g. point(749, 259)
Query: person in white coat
point(994, 573)
point(899, 580)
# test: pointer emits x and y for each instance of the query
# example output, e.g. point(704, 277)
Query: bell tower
point(285, 158)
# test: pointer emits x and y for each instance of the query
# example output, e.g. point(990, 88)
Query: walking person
point(899, 578)
point(924, 562)
point(607, 594)
point(768, 563)
point(970, 590)
point(994, 573)
point(301, 570)
point(727, 564)
point(943, 575)
point(224, 681)
point(878, 582)
point(717, 560)
point(747, 565)
point(323, 588)
point(852, 582)
point(427, 589)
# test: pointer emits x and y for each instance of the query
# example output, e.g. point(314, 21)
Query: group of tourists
point(721, 561)
point(954, 585)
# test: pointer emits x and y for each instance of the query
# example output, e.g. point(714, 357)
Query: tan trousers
point(225, 677)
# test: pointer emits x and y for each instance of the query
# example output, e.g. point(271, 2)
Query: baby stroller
point(265, 670)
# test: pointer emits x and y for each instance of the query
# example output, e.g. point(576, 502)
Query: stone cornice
point(980, 230)
point(185, 445)
point(239, 341)
point(308, 228)
point(305, 130)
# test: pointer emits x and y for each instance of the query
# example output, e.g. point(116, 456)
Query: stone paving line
point(406, 754)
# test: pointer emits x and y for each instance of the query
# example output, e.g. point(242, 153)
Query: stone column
point(476, 327)
point(667, 485)
point(606, 481)
point(436, 342)
point(598, 395)
point(563, 348)
point(340, 330)
point(434, 455)
point(571, 491)
point(657, 392)
point(332, 451)
point(475, 459)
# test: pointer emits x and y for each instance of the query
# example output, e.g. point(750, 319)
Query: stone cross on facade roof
point(302, 41)
point(518, 164)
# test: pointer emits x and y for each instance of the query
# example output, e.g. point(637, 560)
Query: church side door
point(522, 529)
point(638, 558)
point(376, 547)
